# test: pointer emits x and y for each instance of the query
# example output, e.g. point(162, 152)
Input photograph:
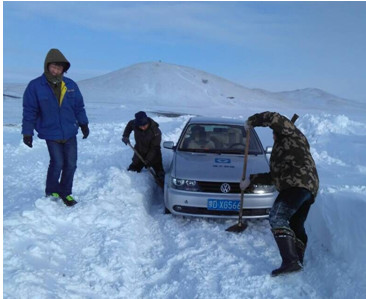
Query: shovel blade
point(237, 228)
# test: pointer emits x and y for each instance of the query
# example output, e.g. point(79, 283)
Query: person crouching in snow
point(294, 174)
point(54, 107)
point(148, 138)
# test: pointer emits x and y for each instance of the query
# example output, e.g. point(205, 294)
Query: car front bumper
point(188, 203)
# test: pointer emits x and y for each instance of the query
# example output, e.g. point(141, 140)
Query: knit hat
point(141, 118)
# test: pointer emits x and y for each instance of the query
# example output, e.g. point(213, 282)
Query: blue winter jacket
point(42, 111)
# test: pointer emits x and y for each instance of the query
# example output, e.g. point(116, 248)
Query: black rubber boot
point(134, 167)
point(285, 240)
point(300, 248)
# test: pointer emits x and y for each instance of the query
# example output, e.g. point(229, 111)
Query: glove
point(125, 140)
point(28, 140)
point(244, 184)
point(247, 126)
point(85, 130)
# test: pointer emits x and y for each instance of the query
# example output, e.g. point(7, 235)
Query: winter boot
point(300, 248)
point(134, 167)
point(285, 240)
point(69, 200)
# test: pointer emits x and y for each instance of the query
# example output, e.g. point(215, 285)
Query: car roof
point(215, 120)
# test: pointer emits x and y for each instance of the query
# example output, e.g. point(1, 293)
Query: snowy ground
point(117, 242)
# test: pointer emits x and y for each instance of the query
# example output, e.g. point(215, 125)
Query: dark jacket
point(291, 163)
point(53, 118)
point(148, 141)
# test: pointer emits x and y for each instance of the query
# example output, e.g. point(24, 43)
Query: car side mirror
point(168, 144)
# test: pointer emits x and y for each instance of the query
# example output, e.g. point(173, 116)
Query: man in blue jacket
point(54, 107)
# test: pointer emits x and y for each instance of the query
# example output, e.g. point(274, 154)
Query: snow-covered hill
point(161, 83)
point(157, 85)
point(117, 242)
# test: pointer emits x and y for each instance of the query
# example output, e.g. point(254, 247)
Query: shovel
point(241, 226)
point(157, 179)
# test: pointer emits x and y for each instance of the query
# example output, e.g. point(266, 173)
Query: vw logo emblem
point(225, 188)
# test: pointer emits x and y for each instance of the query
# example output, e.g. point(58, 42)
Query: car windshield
point(214, 138)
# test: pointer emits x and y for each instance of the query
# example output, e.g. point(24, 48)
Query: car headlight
point(263, 189)
point(182, 184)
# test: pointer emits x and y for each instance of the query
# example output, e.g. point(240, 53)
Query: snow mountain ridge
point(195, 88)
point(162, 82)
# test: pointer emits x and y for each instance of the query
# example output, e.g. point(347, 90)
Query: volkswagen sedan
point(206, 169)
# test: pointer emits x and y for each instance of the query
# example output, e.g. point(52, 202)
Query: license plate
point(223, 205)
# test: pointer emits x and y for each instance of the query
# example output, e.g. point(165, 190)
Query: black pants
point(137, 166)
point(290, 211)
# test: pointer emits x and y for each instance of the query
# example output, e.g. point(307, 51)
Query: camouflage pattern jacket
point(291, 163)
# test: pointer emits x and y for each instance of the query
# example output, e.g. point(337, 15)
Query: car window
point(217, 139)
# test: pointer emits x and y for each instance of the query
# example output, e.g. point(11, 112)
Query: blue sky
point(275, 46)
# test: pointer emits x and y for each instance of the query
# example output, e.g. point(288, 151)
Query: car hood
point(214, 167)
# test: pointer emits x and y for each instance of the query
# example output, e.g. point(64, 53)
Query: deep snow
point(117, 242)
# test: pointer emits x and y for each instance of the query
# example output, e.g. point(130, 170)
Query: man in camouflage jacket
point(293, 172)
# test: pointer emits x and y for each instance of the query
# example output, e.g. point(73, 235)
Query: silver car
point(207, 165)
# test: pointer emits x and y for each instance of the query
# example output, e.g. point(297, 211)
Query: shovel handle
point(137, 153)
point(160, 183)
point(246, 152)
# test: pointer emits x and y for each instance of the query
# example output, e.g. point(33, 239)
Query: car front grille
point(204, 211)
point(215, 187)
